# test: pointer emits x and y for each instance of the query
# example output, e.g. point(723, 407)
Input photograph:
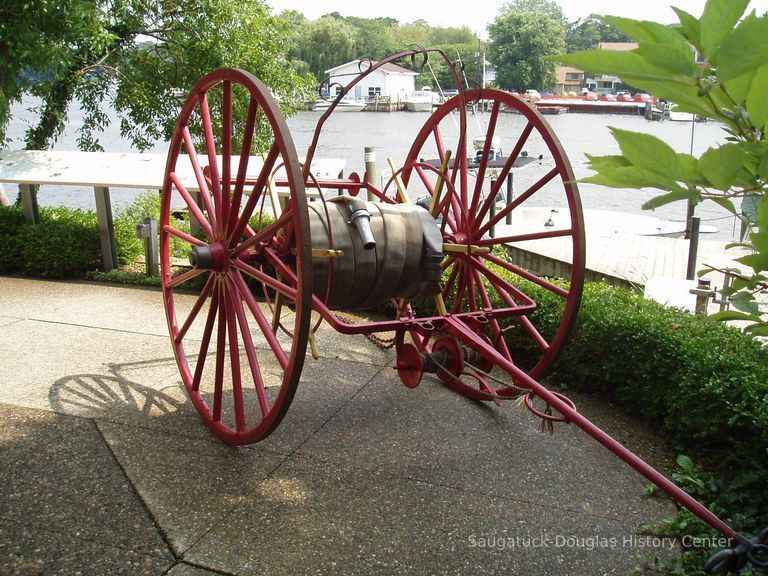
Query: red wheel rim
point(478, 280)
point(240, 374)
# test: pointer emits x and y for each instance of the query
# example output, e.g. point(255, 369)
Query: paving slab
point(320, 518)
point(183, 569)
point(28, 551)
point(434, 435)
point(124, 308)
point(189, 484)
point(64, 479)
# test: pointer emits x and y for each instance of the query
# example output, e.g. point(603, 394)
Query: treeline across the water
point(326, 42)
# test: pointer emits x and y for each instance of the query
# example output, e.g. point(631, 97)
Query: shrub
point(11, 221)
point(64, 244)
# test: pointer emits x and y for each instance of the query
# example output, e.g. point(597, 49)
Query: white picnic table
point(102, 171)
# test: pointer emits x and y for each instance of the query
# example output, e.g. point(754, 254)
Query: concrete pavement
point(107, 469)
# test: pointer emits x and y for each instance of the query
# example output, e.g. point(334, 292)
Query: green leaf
point(745, 302)
point(645, 31)
point(613, 62)
point(730, 315)
point(760, 241)
point(757, 99)
point(648, 152)
point(675, 196)
point(630, 177)
point(722, 165)
point(726, 203)
point(758, 329)
point(758, 261)
point(717, 21)
point(745, 49)
point(763, 170)
point(690, 170)
point(603, 162)
point(674, 58)
point(762, 215)
point(684, 462)
point(738, 88)
point(690, 27)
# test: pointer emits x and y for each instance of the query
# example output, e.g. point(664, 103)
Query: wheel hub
point(213, 257)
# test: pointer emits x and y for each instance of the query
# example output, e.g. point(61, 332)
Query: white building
point(390, 80)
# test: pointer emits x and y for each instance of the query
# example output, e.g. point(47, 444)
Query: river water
point(345, 135)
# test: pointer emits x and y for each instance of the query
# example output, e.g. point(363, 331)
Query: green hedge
point(11, 220)
point(64, 244)
point(66, 241)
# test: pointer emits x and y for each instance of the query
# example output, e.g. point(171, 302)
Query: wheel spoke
point(484, 159)
point(234, 357)
point(202, 182)
point(242, 167)
point(183, 236)
point(528, 276)
point(502, 176)
point(192, 205)
point(264, 235)
point(221, 346)
point(525, 237)
point(535, 187)
point(210, 146)
point(497, 332)
point(202, 297)
point(264, 324)
point(534, 333)
point(185, 277)
point(250, 350)
point(226, 154)
point(206, 340)
point(265, 279)
point(258, 187)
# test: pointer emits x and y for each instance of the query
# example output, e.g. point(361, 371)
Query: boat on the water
point(422, 100)
point(344, 105)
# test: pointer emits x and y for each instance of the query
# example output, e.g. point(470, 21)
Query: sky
point(477, 15)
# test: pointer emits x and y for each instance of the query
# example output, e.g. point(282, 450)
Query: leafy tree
point(461, 55)
point(521, 37)
point(374, 38)
point(451, 36)
point(586, 33)
point(728, 86)
point(414, 33)
point(134, 55)
point(325, 43)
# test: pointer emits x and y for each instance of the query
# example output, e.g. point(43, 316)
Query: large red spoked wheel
point(230, 143)
point(480, 139)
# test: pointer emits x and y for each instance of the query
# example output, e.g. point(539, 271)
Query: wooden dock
point(383, 104)
point(626, 260)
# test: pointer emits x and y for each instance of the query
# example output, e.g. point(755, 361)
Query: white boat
point(478, 143)
point(344, 105)
point(422, 100)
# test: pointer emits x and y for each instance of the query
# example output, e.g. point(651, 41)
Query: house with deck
point(389, 81)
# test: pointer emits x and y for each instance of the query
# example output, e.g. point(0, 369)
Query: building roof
point(388, 68)
point(619, 46)
point(561, 72)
